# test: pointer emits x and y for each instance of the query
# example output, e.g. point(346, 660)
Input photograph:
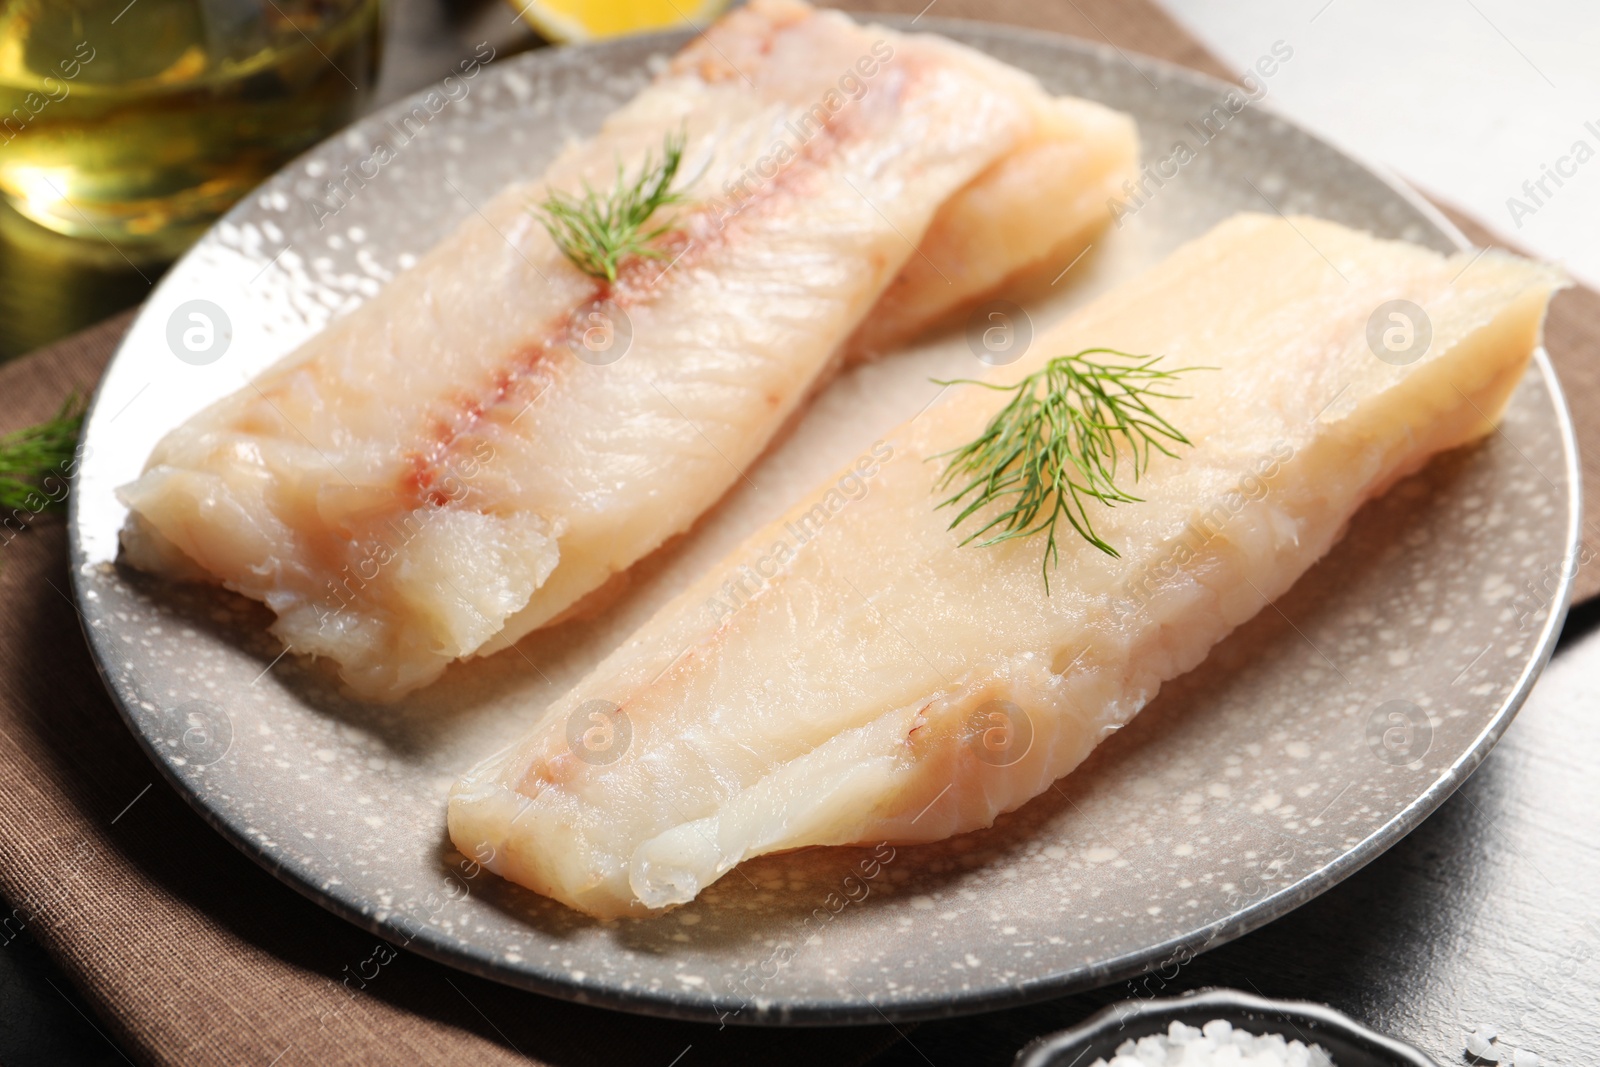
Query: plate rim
point(663, 1003)
point(1220, 1002)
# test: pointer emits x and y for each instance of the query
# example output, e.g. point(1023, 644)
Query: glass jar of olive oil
point(139, 122)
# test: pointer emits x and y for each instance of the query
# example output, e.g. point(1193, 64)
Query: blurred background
point(1469, 100)
point(125, 127)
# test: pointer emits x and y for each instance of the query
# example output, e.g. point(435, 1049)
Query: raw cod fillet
point(450, 466)
point(832, 681)
point(1042, 201)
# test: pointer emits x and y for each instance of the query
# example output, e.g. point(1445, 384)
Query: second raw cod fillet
point(852, 694)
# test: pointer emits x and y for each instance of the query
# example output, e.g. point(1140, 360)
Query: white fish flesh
point(496, 434)
point(1042, 202)
point(852, 675)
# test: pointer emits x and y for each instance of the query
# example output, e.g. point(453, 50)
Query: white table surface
point(1467, 99)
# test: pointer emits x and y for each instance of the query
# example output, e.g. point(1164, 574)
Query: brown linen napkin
point(190, 954)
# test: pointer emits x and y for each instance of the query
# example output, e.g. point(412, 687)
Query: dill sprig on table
point(1042, 458)
point(29, 455)
point(597, 231)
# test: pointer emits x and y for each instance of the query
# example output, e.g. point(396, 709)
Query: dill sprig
point(597, 231)
point(1043, 458)
point(29, 455)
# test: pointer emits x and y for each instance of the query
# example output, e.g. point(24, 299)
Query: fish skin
point(438, 473)
point(845, 698)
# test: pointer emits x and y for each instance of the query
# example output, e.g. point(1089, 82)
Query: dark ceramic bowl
point(1350, 1043)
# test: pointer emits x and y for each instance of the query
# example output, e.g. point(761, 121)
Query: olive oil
point(138, 123)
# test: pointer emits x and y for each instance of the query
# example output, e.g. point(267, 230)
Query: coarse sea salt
point(1216, 1044)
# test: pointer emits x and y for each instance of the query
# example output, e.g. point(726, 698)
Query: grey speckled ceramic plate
point(1306, 745)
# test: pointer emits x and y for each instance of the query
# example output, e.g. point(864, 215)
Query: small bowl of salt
point(1219, 1028)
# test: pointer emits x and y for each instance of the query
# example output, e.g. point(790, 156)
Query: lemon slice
point(572, 21)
